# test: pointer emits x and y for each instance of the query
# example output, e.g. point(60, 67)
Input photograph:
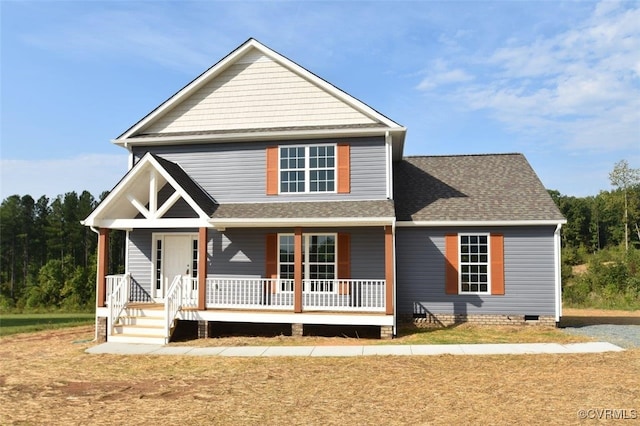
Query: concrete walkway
point(342, 351)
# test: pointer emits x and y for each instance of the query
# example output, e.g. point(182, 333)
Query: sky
point(556, 81)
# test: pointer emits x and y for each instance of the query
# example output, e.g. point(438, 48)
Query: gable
point(155, 193)
point(254, 93)
point(257, 92)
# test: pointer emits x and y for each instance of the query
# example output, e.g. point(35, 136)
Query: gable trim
point(118, 193)
point(233, 57)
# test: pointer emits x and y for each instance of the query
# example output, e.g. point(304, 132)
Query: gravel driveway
point(625, 336)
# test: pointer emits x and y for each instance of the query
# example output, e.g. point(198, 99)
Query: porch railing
point(344, 295)
point(249, 293)
point(118, 287)
point(173, 303)
point(317, 295)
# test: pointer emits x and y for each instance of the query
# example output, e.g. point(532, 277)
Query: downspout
point(558, 270)
point(395, 281)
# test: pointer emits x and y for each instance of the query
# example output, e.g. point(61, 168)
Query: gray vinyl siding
point(236, 172)
point(140, 257)
point(240, 253)
point(528, 265)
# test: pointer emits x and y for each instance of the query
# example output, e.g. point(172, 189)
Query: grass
point(46, 378)
point(27, 323)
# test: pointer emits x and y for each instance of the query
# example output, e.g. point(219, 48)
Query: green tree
point(624, 177)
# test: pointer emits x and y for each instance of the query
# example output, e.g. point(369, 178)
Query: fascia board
point(115, 192)
point(459, 223)
point(128, 224)
point(252, 136)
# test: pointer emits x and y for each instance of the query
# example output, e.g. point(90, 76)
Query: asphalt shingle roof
point(301, 210)
point(470, 188)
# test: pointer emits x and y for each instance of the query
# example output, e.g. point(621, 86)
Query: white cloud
point(579, 87)
point(439, 74)
point(92, 172)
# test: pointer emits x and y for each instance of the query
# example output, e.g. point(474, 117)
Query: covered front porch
point(334, 299)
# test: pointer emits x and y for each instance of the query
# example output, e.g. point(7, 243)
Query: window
point(286, 262)
point(308, 169)
point(474, 263)
point(318, 261)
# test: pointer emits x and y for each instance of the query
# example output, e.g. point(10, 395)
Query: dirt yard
point(47, 378)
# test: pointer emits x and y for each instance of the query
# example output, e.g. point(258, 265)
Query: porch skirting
point(445, 320)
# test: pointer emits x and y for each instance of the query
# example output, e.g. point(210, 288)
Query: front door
point(177, 259)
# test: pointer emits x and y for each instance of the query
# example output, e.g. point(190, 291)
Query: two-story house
point(261, 193)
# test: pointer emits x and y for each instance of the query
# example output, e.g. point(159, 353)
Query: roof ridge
point(497, 154)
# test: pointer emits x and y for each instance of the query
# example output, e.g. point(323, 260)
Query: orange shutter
point(451, 263)
point(344, 169)
point(271, 261)
point(272, 170)
point(497, 264)
point(344, 262)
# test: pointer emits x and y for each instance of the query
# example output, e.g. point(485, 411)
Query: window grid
point(308, 169)
point(474, 263)
point(158, 264)
point(318, 257)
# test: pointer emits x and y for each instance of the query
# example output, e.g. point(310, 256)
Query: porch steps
point(141, 323)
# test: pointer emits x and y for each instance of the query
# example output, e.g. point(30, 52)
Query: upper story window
point(305, 169)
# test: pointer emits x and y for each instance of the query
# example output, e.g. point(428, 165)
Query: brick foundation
point(446, 320)
point(386, 332)
point(297, 330)
point(101, 329)
point(203, 329)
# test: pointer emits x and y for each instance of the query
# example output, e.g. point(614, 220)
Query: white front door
point(177, 258)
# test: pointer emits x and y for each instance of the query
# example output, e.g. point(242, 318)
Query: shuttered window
point(474, 264)
point(326, 258)
point(308, 169)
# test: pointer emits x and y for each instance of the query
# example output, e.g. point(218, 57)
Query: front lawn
point(25, 323)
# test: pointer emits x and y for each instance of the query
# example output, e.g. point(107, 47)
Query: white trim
point(304, 222)
point(151, 223)
point(256, 136)
point(288, 317)
point(558, 271)
point(457, 223)
point(151, 215)
point(389, 159)
point(127, 241)
point(233, 57)
point(488, 263)
point(155, 236)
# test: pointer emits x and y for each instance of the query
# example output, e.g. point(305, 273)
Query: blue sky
point(556, 81)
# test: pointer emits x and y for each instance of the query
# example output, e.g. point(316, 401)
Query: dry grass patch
point(46, 378)
point(407, 335)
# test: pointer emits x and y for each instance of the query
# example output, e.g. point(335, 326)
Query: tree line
point(47, 257)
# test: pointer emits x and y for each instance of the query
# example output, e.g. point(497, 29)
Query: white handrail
point(118, 300)
point(172, 305)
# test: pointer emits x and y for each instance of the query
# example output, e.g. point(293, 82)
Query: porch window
point(307, 169)
point(318, 261)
